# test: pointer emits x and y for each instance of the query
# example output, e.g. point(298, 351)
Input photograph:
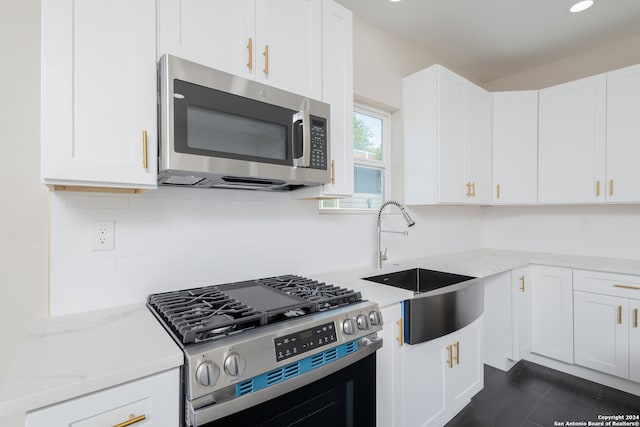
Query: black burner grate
point(212, 312)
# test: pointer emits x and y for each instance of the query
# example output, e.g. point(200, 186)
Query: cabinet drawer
point(620, 285)
point(156, 397)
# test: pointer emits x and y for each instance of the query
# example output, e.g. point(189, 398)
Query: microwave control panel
point(318, 143)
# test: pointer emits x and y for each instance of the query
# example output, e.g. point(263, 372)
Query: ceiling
point(489, 39)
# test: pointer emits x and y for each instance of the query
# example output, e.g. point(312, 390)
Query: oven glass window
point(223, 132)
point(346, 398)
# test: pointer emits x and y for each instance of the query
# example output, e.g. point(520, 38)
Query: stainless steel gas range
point(277, 351)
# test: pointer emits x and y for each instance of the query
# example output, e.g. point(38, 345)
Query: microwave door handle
point(302, 120)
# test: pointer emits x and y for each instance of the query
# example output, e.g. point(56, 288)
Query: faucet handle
point(383, 257)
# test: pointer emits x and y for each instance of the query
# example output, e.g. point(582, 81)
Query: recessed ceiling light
point(394, 1)
point(579, 6)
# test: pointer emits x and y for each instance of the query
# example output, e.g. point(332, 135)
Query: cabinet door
point(478, 143)
point(634, 340)
point(552, 312)
point(572, 142)
point(216, 33)
point(337, 90)
point(498, 341)
point(623, 135)
point(515, 147)
point(289, 45)
point(423, 383)
point(156, 397)
point(466, 378)
point(388, 372)
point(451, 114)
point(99, 93)
point(521, 311)
point(602, 333)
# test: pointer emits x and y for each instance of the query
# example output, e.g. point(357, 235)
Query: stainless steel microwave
point(218, 130)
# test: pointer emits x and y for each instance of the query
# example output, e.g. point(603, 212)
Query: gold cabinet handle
point(333, 171)
point(498, 191)
point(468, 185)
point(145, 162)
point(522, 283)
point(132, 420)
point(635, 318)
point(250, 49)
point(635, 288)
point(619, 315)
point(611, 187)
point(399, 337)
point(598, 188)
point(450, 360)
point(457, 358)
point(473, 193)
point(266, 60)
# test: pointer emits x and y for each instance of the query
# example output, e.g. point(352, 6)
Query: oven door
point(345, 398)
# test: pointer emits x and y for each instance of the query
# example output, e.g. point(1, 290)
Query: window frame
point(384, 164)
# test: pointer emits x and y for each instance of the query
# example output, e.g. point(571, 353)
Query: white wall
point(606, 58)
point(24, 206)
point(177, 238)
point(612, 231)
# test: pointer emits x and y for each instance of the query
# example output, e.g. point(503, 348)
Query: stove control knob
point(363, 322)
point(207, 373)
point(349, 326)
point(375, 317)
point(235, 364)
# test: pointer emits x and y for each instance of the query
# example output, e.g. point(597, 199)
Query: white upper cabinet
point(515, 147)
point(623, 135)
point(99, 111)
point(337, 91)
point(447, 139)
point(572, 142)
point(277, 42)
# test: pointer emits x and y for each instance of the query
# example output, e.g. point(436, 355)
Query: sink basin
point(419, 280)
point(457, 301)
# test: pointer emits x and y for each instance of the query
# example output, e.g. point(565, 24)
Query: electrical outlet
point(103, 235)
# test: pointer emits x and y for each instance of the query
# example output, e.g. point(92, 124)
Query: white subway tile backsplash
point(178, 238)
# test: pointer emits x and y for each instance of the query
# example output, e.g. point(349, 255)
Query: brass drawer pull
point(266, 60)
point(619, 315)
point(522, 281)
point(333, 171)
point(498, 195)
point(145, 162)
point(399, 337)
point(457, 346)
point(635, 288)
point(132, 420)
point(598, 188)
point(611, 187)
point(250, 49)
point(635, 318)
point(450, 361)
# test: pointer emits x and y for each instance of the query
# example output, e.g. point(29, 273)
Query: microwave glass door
point(213, 123)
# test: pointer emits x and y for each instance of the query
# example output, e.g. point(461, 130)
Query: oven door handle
point(204, 414)
point(301, 139)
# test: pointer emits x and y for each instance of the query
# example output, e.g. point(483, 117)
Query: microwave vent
point(183, 180)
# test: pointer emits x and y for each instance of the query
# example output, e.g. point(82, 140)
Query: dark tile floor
point(531, 395)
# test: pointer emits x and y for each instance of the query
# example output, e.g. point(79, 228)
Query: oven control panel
point(306, 340)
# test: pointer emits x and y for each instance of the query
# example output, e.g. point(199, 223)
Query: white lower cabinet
point(601, 333)
point(552, 312)
point(153, 400)
point(607, 329)
point(429, 383)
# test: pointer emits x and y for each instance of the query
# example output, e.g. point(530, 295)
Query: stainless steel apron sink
point(442, 302)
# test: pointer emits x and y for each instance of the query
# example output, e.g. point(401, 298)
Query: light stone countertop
point(70, 356)
point(476, 263)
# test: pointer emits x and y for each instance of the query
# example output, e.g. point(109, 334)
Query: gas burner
point(213, 312)
point(324, 295)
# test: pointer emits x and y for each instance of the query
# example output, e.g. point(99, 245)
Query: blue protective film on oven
point(294, 369)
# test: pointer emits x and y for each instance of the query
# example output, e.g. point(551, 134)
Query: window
point(370, 161)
